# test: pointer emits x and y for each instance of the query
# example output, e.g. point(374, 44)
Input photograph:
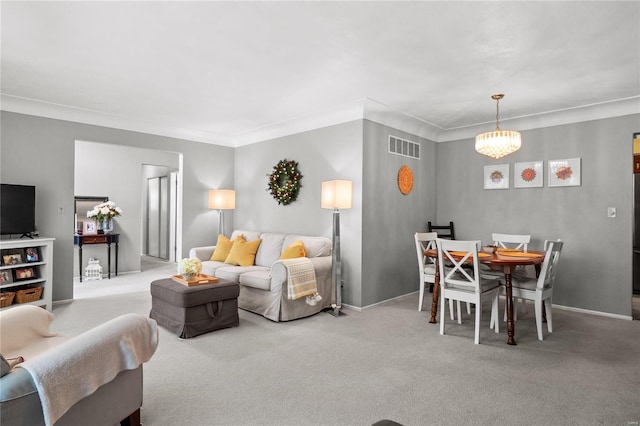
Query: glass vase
point(107, 226)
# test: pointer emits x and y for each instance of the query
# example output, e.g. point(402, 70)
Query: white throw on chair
point(540, 289)
point(425, 241)
point(460, 283)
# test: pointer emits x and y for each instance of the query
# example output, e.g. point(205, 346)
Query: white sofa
point(263, 286)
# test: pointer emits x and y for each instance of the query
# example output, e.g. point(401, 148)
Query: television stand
point(26, 234)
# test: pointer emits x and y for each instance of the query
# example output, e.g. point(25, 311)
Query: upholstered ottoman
point(191, 311)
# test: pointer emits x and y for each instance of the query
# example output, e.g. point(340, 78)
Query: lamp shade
point(337, 194)
point(222, 199)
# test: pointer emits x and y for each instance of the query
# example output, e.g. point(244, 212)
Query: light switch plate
point(611, 212)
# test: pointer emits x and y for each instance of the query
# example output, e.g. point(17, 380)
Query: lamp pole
point(336, 194)
point(336, 271)
point(220, 222)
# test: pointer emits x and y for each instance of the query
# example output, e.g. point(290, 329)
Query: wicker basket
point(6, 299)
point(28, 295)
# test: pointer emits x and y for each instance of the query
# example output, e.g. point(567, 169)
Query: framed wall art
point(496, 177)
point(565, 172)
point(528, 175)
point(83, 204)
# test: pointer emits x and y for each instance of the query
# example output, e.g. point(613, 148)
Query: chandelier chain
point(497, 98)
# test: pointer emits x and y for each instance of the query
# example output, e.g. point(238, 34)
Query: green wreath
point(284, 182)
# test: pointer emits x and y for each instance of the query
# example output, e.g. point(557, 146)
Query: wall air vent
point(404, 147)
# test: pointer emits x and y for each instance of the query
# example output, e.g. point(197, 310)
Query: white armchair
point(94, 378)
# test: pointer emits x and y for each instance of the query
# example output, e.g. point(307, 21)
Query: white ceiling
point(234, 73)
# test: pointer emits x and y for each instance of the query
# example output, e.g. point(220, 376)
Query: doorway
point(635, 304)
point(159, 212)
point(125, 185)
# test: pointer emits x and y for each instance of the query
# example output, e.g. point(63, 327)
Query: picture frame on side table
point(89, 227)
point(566, 172)
point(528, 175)
point(6, 277)
point(496, 177)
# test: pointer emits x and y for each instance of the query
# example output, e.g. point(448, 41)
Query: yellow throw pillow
point(294, 251)
point(223, 247)
point(243, 253)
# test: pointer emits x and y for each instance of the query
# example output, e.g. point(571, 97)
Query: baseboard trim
point(560, 307)
point(61, 302)
point(387, 300)
point(591, 312)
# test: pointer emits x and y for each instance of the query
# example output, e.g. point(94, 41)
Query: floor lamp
point(222, 199)
point(336, 195)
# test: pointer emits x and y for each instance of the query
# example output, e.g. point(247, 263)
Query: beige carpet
point(386, 362)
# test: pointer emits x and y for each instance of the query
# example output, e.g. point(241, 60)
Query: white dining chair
point(464, 284)
point(540, 290)
point(427, 267)
point(514, 241)
point(508, 241)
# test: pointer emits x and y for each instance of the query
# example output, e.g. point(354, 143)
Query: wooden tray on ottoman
point(198, 280)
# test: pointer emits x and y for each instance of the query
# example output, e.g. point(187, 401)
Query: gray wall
point(329, 153)
point(40, 151)
point(389, 218)
point(378, 254)
point(595, 271)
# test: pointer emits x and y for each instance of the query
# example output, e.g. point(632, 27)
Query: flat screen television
point(17, 209)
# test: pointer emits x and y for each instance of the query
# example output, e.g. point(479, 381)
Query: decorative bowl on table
point(488, 249)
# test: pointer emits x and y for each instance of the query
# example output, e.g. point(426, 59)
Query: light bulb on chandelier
point(498, 143)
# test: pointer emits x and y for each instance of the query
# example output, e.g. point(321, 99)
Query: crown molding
point(359, 109)
point(384, 114)
point(340, 114)
point(616, 108)
point(66, 113)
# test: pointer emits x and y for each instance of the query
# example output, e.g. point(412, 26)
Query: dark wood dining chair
point(444, 231)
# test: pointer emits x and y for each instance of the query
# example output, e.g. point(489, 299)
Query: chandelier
point(498, 143)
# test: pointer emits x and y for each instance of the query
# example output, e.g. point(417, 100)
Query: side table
point(108, 239)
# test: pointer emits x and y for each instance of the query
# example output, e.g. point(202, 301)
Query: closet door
point(153, 217)
point(163, 233)
point(158, 217)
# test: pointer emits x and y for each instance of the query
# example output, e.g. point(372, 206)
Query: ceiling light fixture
point(498, 143)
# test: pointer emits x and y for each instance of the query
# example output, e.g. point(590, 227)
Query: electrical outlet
point(611, 212)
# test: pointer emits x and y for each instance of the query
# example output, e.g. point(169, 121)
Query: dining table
point(506, 261)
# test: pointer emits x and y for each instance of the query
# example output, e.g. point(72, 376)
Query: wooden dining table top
point(500, 257)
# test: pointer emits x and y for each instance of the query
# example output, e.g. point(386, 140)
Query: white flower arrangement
point(106, 210)
point(190, 266)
